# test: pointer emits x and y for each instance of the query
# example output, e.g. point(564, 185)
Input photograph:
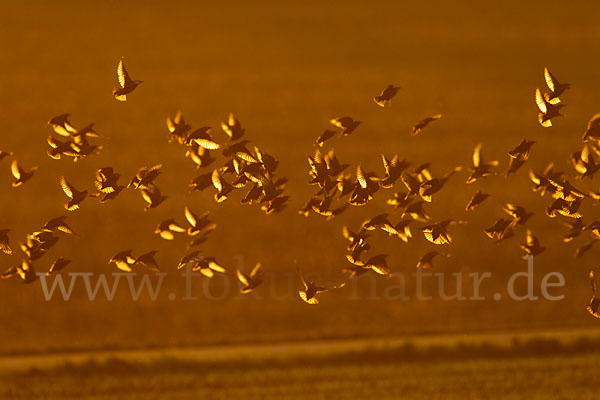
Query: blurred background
point(285, 69)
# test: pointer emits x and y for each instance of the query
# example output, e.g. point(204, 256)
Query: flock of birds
point(336, 190)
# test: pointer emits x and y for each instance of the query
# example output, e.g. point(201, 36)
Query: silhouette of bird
point(310, 289)
point(393, 170)
point(437, 233)
point(594, 304)
point(584, 248)
point(564, 190)
point(401, 229)
point(576, 228)
point(426, 261)
point(584, 163)
point(496, 230)
point(123, 260)
point(564, 208)
point(251, 280)
point(107, 180)
point(59, 264)
point(58, 224)
point(531, 246)
point(514, 164)
point(126, 83)
point(223, 187)
point(419, 126)
point(519, 214)
point(554, 85)
point(415, 211)
point(548, 109)
point(177, 127)
point(207, 266)
point(153, 197)
point(148, 260)
point(385, 98)
point(378, 264)
point(21, 176)
point(26, 272)
point(75, 196)
point(167, 228)
point(400, 200)
point(480, 168)
point(325, 136)
point(145, 177)
point(431, 186)
point(593, 129)
point(197, 223)
point(375, 222)
point(476, 200)
point(232, 128)
point(4, 243)
point(346, 124)
point(522, 150)
point(4, 154)
point(201, 182)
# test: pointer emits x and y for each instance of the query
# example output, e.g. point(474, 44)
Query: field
point(285, 69)
point(490, 369)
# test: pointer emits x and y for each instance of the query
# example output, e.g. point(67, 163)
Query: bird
point(519, 214)
point(21, 176)
point(514, 163)
point(75, 196)
point(594, 304)
point(401, 229)
point(393, 170)
point(201, 182)
point(437, 233)
point(554, 85)
point(167, 228)
point(415, 211)
point(197, 223)
point(576, 228)
point(148, 260)
point(223, 187)
point(145, 177)
point(400, 200)
point(593, 129)
point(250, 281)
point(375, 222)
point(310, 289)
point(580, 251)
point(497, 230)
point(126, 83)
point(59, 264)
point(354, 238)
point(426, 260)
point(476, 200)
point(153, 197)
point(4, 243)
point(202, 138)
point(564, 190)
point(26, 272)
point(480, 168)
point(177, 127)
point(531, 246)
point(325, 136)
point(232, 128)
point(4, 154)
point(522, 150)
point(430, 186)
point(548, 109)
point(378, 264)
point(106, 180)
point(419, 126)
point(385, 98)
point(584, 163)
point(207, 266)
point(346, 124)
point(123, 260)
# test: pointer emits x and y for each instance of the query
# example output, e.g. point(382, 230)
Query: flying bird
point(4, 244)
point(232, 128)
point(594, 304)
point(148, 260)
point(21, 176)
point(480, 168)
point(554, 85)
point(75, 196)
point(548, 109)
point(531, 246)
point(123, 260)
point(385, 98)
point(346, 124)
point(168, 228)
point(126, 83)
point(476, 200)
point(419, 126)
point(310, 289)
point(59, 264)
point(426, 261)
point(251, 280)
point(593, 129)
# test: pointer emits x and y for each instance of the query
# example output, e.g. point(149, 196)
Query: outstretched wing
point(66, 187)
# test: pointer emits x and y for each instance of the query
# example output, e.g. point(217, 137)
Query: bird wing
point(216, 180)
point(122, 74)
point(539, 100)
point(14, 168)
point(241, 277)
point(360, 177)
point(191, 217)
point(550, 79)
point(256, 270)
point(477, 155)
point(66, 187)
